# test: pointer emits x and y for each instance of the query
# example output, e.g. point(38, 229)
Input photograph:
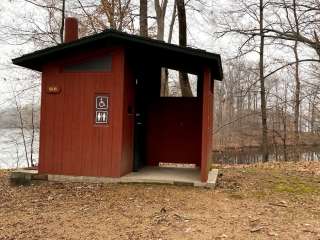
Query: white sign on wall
point(102, 105)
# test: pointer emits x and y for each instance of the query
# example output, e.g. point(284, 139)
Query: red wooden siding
point(179, 130)
point(207, 124)
point(71, 143)
point(174, 131)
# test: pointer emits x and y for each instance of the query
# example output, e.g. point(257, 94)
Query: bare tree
point(63, 9)
point(295, 26)
point(118, 13)
point(173, 20)
point(308, 20)
point(265, 151)
point(160, 9)
point(28, 146)
point(183, 76)
point(144, 18)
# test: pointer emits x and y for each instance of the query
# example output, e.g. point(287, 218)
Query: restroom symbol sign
point(101, 102)
point(101, 117)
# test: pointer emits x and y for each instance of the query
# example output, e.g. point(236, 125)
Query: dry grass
point(258, 202)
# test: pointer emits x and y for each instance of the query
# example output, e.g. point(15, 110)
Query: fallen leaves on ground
point(249, 203)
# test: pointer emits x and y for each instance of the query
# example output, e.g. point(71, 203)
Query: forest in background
point(270, 50)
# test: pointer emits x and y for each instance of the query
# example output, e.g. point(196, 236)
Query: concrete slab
point(158, 175)
point(172, 175)
point(81, 179)
point(25, 176)
point(165, 175)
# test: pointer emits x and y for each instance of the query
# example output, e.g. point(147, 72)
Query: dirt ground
point(268, 201)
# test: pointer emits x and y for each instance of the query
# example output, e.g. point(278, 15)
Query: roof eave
point(35, 61)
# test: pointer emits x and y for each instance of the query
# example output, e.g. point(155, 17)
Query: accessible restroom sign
point(102, 107)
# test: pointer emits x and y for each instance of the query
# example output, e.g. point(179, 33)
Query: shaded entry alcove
point(167, 129)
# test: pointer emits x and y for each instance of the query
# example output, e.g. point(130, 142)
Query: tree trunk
point(284, 122)
point(21, 125)
point(312, 116)
point(62, 20)
point(183, 77)
point(173, 20)
point(161, 13)
point(297, 87)
point(265, 150)
point(182, 23)
point(185, 85)
point(144, 18)
point(33, 132)
point(112, 15)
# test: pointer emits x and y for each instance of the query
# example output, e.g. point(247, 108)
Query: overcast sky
point(14, 13)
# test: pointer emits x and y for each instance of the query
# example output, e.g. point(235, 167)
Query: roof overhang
point(148, 47)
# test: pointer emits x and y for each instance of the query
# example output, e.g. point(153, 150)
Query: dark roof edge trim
point(125, 37)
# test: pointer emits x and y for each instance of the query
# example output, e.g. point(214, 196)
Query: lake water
point(12, 151)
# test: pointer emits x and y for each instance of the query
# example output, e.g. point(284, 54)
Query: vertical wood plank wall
point(70, 141)
point(174, 130)
point(207, 124)
point(72, 144)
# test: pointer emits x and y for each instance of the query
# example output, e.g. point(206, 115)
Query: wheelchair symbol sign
point(101, 102)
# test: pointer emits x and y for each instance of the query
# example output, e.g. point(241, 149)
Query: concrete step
point(25, 176)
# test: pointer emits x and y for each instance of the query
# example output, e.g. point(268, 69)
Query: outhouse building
point(102, 112)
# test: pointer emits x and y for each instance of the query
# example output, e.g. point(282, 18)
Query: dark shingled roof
point(35, 60)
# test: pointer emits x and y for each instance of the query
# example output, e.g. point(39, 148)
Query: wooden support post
point(207, 124)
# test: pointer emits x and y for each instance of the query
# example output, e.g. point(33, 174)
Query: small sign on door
point(102, 106)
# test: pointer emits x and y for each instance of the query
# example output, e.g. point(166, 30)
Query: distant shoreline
point(258, 148)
